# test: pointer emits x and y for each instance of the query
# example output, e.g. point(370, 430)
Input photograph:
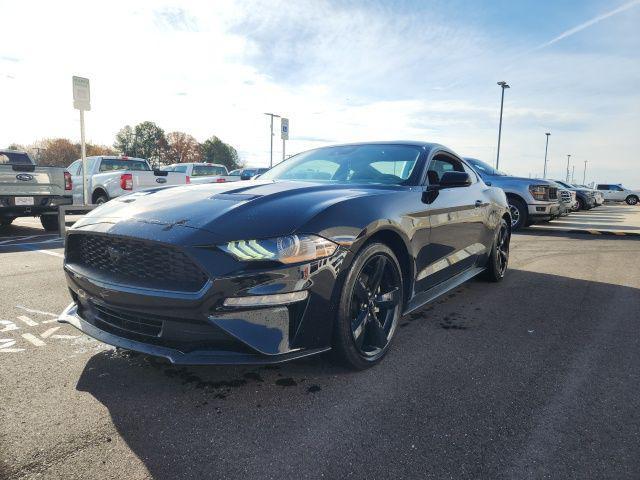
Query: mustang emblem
point(24, 177)
point(115, 254)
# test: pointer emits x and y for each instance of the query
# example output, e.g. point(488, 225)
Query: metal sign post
point(284, 133)
point(82, 102)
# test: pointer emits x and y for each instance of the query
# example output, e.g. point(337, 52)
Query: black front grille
point(565, 196)
point(553, 193)
point(127, 321)
point(134, 262)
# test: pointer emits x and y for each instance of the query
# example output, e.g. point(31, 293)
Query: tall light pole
point(546, 149)
point(584, 174)
point(503, 85)
point(573, 174)
point(271, 138)
point(568, 157)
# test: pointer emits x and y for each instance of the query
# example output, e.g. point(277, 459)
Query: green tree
point(215, 150)
point(145, 140)
point(125, 141)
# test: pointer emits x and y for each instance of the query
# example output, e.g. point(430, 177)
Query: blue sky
point(341, 71)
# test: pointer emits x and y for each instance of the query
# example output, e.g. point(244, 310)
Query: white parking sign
point(81, 94)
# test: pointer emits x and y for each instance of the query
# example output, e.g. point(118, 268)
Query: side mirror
point(455, 179)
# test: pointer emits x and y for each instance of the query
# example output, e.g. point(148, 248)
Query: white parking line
point(5, 343)
point(33, 339)
point(31, 310)
point(48, 333)
point(27, 320)
point(15, 239)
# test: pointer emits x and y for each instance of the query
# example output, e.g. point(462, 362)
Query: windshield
point(207, 170)
point(110, 164)
point(565, 185)
point(484, 168)
point(384, 164)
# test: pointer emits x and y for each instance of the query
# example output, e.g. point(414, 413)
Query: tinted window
point(15, 158)
point(382, 164)
point(615, 188)
point(603, 187)
point(110, 164)
point(208, 170)
point(441, 165)
point(483, 168)
point(180, 168)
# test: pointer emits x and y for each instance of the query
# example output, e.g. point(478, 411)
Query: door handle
point(478, 203)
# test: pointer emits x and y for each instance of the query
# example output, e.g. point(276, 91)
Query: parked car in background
point(568, 202)
point(379, 230)
point(111, 176)
point(251, 172)
point(202, 172)
point(618, 193)
point(531, 200)
point(29, 190)
point(586, 197)
point(598, 196)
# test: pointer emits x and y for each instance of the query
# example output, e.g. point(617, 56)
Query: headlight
point(289, 249)
point(539, 192)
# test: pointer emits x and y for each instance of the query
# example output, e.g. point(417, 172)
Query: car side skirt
point(425, 297)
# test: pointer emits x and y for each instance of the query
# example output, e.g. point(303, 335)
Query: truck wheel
point(580, 205)
point(100, 199)
point(632, 200)
point(50, 222)
point(4, 222)
point(519, 213)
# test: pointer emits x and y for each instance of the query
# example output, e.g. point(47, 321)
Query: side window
point(615, 188)
point(442, 164)
point(180, 169)
point(472, 174)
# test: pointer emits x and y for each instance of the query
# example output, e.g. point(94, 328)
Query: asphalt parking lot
point(536, 377)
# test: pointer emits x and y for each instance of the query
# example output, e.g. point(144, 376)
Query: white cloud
point(340, 72)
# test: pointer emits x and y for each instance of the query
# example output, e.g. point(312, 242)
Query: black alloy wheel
point(499, 258)
point(370, 307)
point(632, 200)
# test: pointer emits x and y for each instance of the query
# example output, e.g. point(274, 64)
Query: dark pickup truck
point(29, 190)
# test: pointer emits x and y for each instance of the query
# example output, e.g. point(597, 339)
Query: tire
point(5, 222)
point(368, 316)
point(50, 222)
point(631, 200)
point(580, 205)
point(100, 199)
point(498, 260)
point(519, 213)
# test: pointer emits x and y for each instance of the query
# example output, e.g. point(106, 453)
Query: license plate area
point(24, 201)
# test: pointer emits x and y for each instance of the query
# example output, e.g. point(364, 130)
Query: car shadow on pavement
point(487, 381)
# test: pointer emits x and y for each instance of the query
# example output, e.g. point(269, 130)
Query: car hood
point(230, 211)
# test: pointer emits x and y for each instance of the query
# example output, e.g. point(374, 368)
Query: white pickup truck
point(203, 172)
point(29, 190)
point(109, 177)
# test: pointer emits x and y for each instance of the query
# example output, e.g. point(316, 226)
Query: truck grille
point(565, 196)
point(553, 193)
point(133, 262)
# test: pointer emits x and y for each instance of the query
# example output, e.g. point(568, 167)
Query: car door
point(458, 218)
point(604, 189)
point(617, 193)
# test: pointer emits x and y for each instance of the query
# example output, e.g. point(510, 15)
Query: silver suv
point(531, 200)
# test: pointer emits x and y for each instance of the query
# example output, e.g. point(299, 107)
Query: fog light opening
point(266, 300)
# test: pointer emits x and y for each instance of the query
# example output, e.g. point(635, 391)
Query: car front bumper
point(197, 327)
point(541, 212)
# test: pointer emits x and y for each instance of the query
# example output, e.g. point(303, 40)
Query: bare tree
point(182, 147)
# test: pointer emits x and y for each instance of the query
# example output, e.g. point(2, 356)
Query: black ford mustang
point(325, 251)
